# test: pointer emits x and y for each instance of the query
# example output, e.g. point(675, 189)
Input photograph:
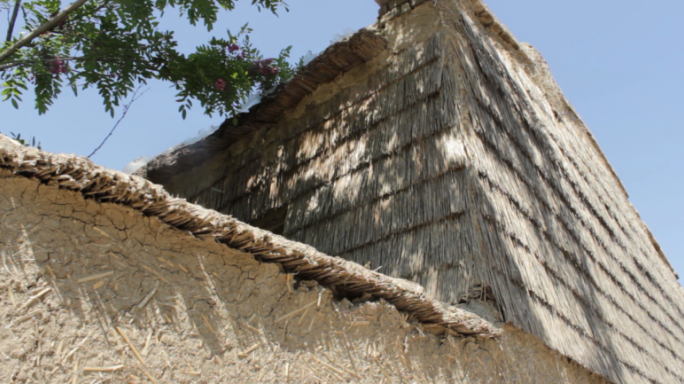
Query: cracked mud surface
point(82, 282)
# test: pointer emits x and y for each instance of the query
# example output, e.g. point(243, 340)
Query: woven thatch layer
point(79, 174)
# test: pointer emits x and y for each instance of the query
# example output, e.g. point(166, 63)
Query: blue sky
point(620, 63)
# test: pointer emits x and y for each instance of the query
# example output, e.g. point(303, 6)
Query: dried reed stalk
point(133, 348)
point(295, 312)
point(112, 368)
point(95, 277)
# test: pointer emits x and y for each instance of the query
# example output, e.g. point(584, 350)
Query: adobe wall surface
point(81, 283)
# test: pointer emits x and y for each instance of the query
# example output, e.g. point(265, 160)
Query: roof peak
point(397, 7)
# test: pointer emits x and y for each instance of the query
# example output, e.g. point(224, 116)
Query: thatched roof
point(338, 58)
point(346, 278)
point(452, 158)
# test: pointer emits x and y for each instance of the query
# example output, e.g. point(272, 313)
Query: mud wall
point(98, 291)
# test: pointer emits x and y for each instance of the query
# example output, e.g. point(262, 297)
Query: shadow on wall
point(98, 290)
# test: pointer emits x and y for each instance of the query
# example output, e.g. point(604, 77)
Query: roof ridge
point(391, 8)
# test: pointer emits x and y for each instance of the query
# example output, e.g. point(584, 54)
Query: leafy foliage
point(29, 143)
point(113, 45)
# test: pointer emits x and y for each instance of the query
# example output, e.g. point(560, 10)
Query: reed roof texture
point(446, 154)
point(339, 58)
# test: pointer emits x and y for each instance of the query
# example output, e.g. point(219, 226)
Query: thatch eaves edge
point(80, 175)
point(538, 69)
point(534, 64)
point(338, 58)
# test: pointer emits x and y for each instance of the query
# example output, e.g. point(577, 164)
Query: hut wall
point(454, 160)
point(99, 292)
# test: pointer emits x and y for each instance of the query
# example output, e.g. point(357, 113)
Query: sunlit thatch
point(451, 158)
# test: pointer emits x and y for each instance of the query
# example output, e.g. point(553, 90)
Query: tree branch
point(43, 28)
point(125, 110)
point(15, 13)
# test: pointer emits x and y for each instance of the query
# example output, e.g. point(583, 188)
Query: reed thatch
point(453, 159)
point(339, 58)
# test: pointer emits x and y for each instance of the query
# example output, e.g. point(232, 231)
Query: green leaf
point(123, 37)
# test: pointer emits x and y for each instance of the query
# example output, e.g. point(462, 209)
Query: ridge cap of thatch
point(80, 175)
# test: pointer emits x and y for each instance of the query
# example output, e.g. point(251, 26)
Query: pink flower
point(233, 48)
point(57, 67)
point(220, 84)
point(265, 67)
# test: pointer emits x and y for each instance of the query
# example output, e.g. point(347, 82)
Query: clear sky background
point(620, 63)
